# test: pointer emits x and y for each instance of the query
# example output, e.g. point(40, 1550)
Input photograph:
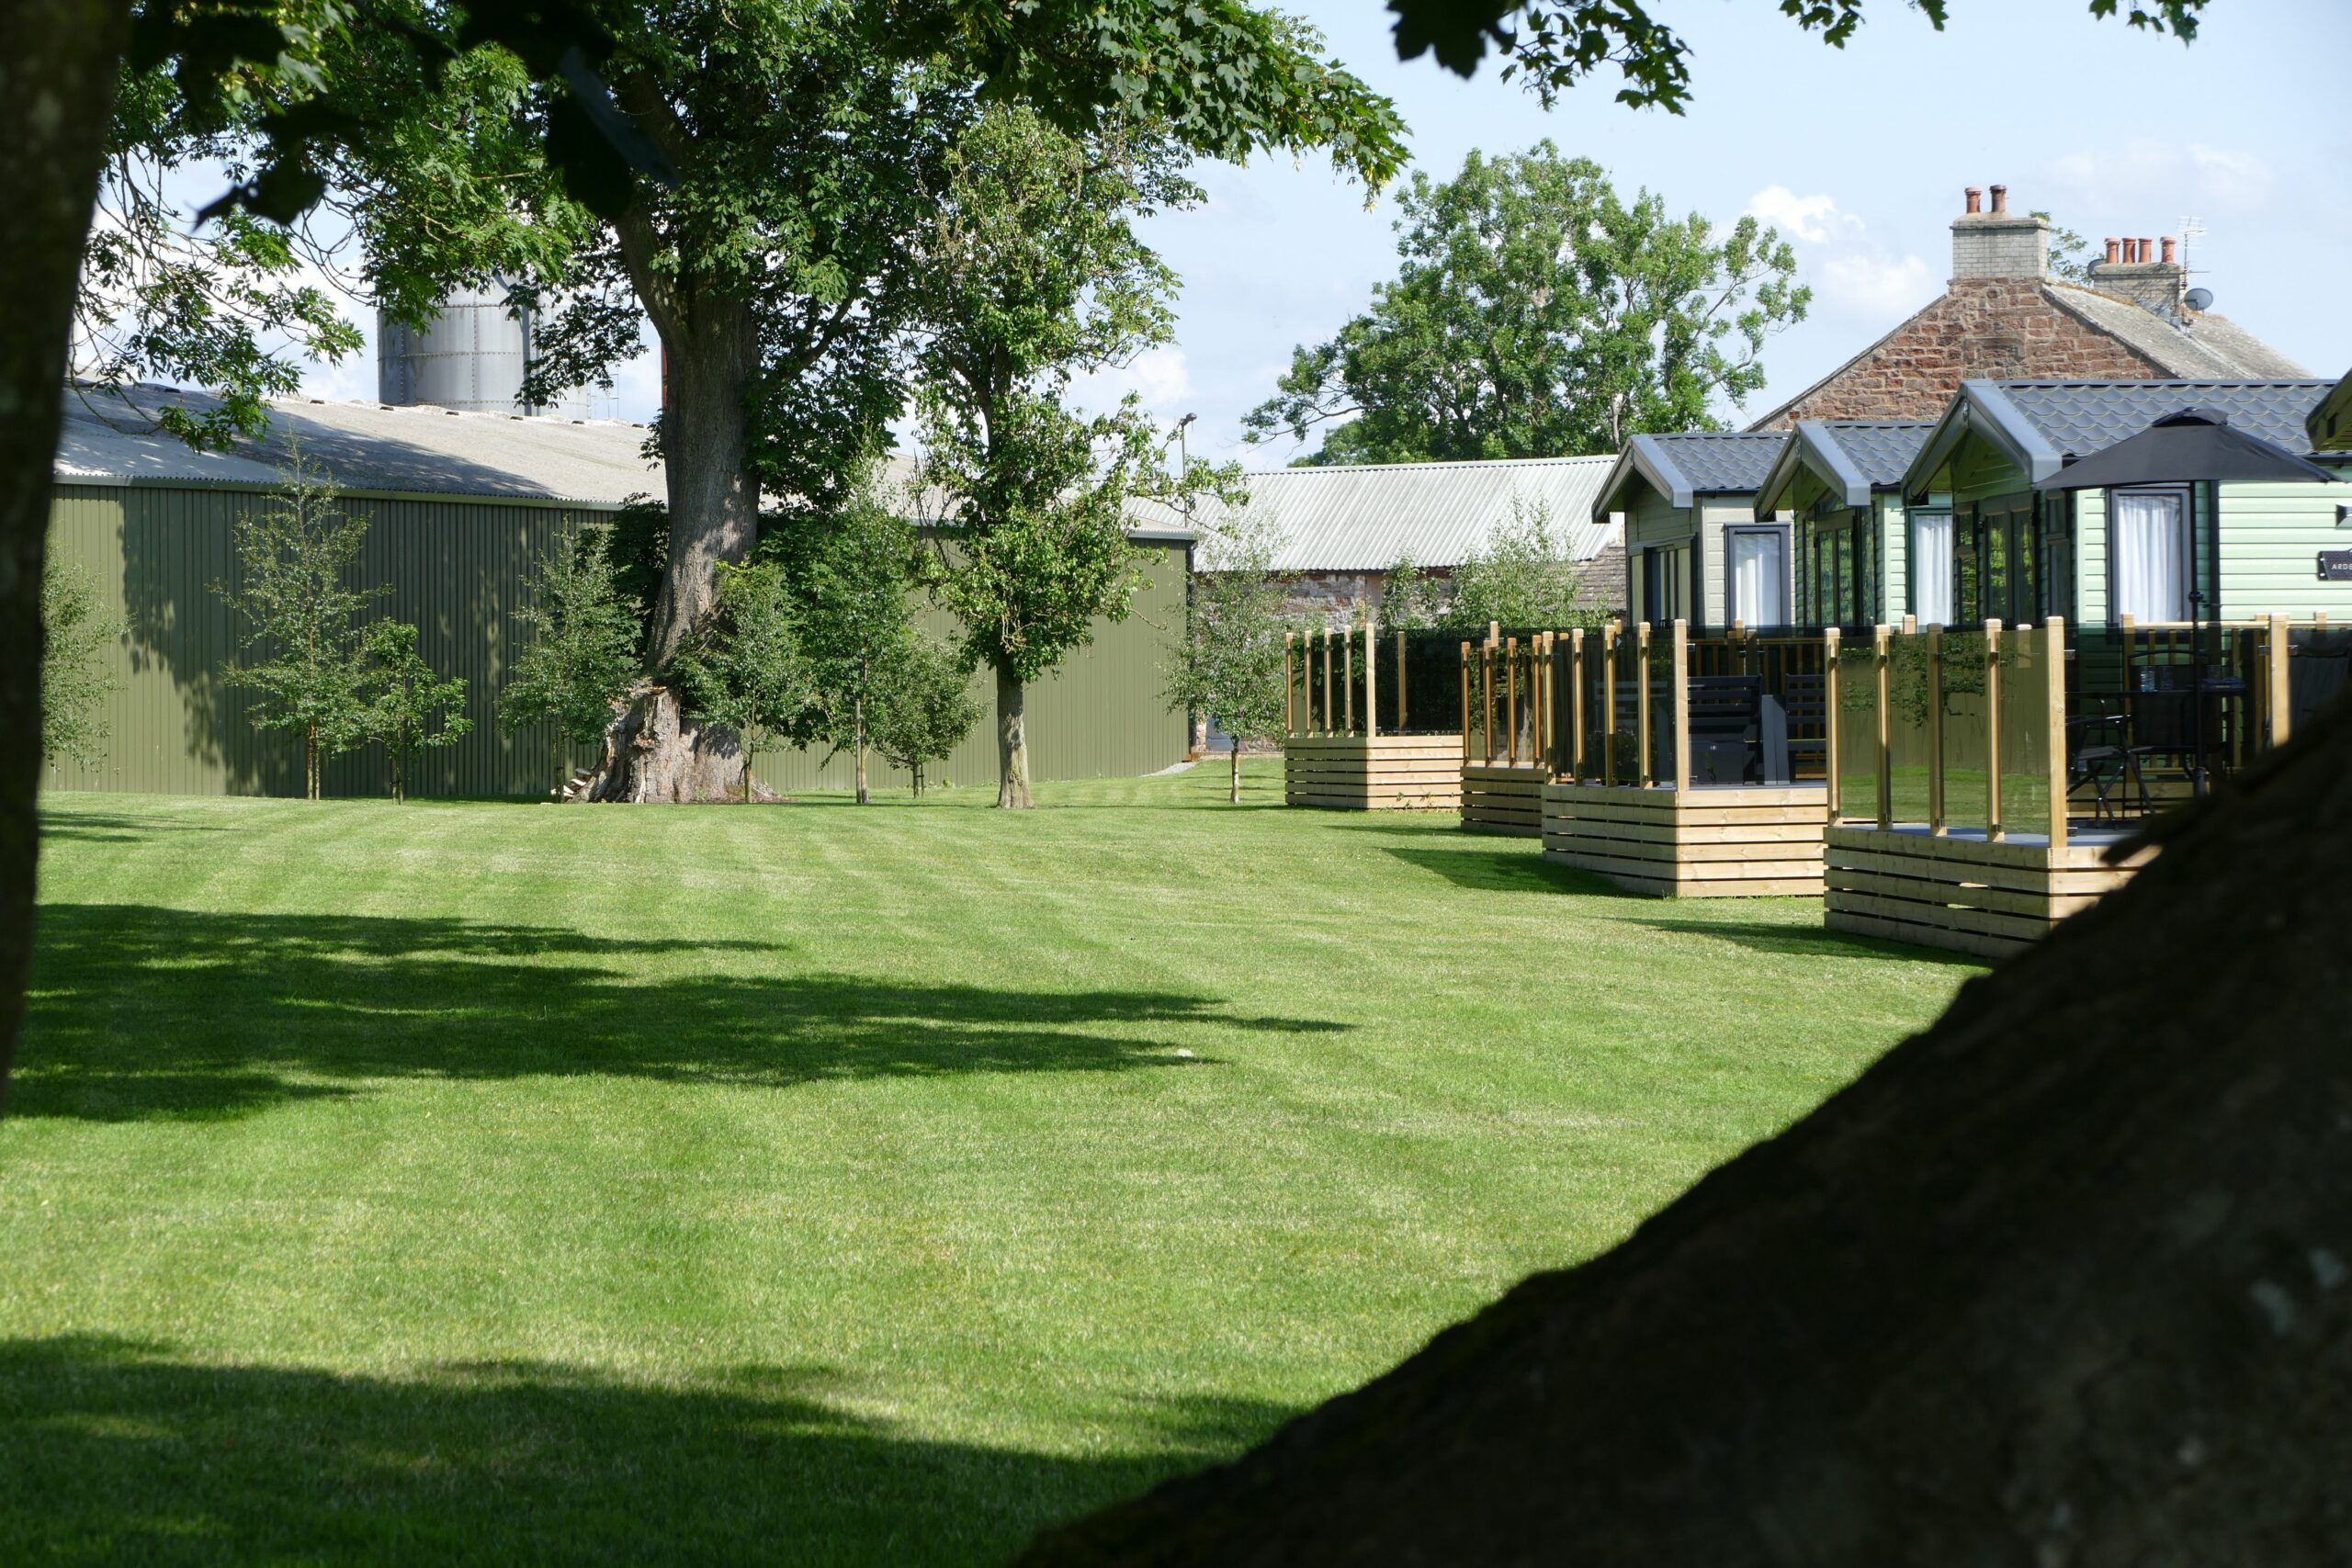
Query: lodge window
point(2148, 553)
point(1756, 575)
point(1933, 562)
point(1666, 584)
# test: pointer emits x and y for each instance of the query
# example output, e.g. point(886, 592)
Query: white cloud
point(1856, 281)
point(1816, 219)
point(1870, 285)
point(2152, 182)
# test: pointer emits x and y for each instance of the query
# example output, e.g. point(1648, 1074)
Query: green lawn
point(488, 1183)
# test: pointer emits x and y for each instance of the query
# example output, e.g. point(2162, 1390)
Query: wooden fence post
point(1608, 703)
point(1576, 703)
point(1347, 684)
point(1680, 679)
point(1487, 700)
point(1642, 704)
point(1330, 708)
point(2279, 698)
point(1290, 709)
point(1371, 684)
point(1936, 731)
point(1832, 783)
point(1882, 651)
point(2053, 674)
point(1511, 699)
point(1993, 731)
point(1465, 703)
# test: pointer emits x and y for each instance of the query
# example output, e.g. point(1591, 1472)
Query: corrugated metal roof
point(108, 437)
point(1364, 517)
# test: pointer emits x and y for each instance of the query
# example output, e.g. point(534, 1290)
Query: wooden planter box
point(1962, 892)
point(1727, 842)
point(1499, 798)
point(1381, 772)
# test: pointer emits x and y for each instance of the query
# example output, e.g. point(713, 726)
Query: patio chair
point(1726, 729)
point(2100, 753)
point(1804, 701)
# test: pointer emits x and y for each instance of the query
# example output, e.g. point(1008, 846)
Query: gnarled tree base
point(655, 754)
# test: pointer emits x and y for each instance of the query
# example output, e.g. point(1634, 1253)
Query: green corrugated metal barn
point(458, 506)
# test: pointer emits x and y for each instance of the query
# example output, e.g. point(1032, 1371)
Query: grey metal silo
point(471, 357)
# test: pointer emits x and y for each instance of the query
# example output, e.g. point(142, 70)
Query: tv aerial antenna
point(2193, 228)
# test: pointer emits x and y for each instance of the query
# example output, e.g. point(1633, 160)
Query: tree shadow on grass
point(127, 1453)
point(1809, 942)
point(111, 828)
point(137, 1011)
point(1507, 871)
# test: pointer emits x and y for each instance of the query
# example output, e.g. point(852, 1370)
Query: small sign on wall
point(2336, 566)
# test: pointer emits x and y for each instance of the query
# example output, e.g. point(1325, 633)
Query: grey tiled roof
point(1881, 448)
point(1721, 462)
point(2079, 418)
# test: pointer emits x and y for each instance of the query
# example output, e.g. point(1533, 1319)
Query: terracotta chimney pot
point(2001, 198)
point(2114, 252)
point(2169, 244)
point(2147, 249)
point(1975, 199)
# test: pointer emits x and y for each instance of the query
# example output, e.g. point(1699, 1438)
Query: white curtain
point(1759, 578)
point(2148, 536)
point(1931, 567)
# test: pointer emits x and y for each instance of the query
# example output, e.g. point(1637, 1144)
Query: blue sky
point(1860, 154)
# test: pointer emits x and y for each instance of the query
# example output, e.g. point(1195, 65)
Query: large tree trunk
point(654, 753)
point(712, 353)
point(2065, 1279)
point(57, 76)
point(706, 448)
point(1011, 743)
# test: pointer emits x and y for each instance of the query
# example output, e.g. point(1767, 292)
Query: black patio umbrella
point(2192, 446)
point(2197, 447)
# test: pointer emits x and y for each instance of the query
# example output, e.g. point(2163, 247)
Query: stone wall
point(1989, 327)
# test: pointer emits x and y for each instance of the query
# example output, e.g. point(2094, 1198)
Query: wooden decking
point(1960, 892)
point(1498, 798)
point(1738, 841)
point(1383, 773)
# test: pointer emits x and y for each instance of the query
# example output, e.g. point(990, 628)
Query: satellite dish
point(2199, 299)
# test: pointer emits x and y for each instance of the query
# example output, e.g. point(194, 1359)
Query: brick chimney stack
point(2144, 274)
point(2000, 244)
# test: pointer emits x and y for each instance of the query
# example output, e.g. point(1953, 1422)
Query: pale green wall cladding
point(458, 567)
point(1894, 543)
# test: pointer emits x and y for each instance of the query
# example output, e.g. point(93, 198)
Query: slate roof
point(2042, 424)
point(1686, 464)
point(1881, 448)
point(1854, 457)
point(1363, 517)
point(2199, 344)
point(112, 438)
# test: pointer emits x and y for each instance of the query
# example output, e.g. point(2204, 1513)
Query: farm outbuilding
point(459, 505)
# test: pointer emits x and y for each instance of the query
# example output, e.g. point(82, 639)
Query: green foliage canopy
point(1537, 314)
point(409, 708)
point(299, 633)
point(1230, 665)
point(582, 658)
point(745, 671)
point(75, 679)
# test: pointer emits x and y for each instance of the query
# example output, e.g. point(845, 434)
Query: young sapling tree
point(410, 708)
point(923, 707)
point(745, 671)
point(73, 675)
point(298, 638)
point(582, 659)
point(1230, 665)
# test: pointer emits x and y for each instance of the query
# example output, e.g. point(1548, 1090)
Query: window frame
point(1786, 535)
